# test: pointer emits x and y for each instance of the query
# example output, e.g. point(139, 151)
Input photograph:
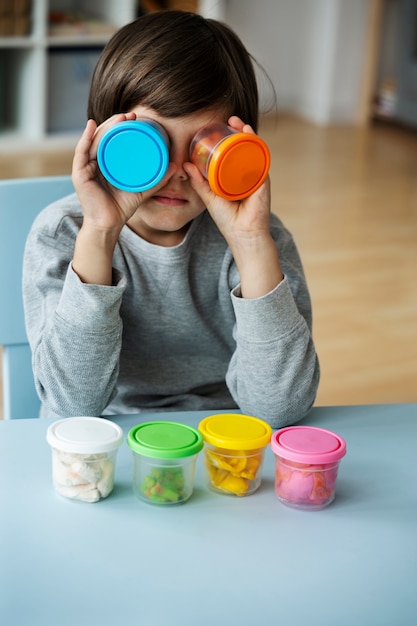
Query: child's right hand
point(105, 207)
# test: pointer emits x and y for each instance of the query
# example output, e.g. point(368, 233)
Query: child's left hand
point(234, 218)
point(245, 224)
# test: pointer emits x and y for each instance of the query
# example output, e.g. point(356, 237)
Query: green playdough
point(164, 485)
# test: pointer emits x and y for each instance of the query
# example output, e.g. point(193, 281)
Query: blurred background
point(343, 138)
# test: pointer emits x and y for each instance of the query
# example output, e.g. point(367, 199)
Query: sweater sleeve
point(274, 372)
point(74, 329)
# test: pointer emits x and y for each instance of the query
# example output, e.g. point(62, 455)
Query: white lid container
point(84, 435)
point(83, 456)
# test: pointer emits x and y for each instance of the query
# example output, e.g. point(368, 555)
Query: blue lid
point(134, 156)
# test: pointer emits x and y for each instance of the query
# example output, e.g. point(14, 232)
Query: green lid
point(165, 440)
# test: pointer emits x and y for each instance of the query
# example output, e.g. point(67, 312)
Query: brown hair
point(176, 63)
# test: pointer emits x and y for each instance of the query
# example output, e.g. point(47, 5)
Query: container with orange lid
point(234, 447)
point(234, 163)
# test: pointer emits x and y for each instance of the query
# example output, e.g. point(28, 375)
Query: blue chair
point(20, 201)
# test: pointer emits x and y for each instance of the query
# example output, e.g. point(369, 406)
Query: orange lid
point(238, 166)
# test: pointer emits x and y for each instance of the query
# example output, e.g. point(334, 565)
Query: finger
point(195, 176)
point(118, 118)
point(237, 124)
point(199, 183)
point(82, 150)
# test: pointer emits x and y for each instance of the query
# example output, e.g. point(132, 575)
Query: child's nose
point(179, 156)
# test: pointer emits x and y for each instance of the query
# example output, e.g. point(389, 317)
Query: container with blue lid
point(134, 155)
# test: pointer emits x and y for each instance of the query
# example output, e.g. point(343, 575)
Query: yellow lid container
point(234, 431)
point(234, 447)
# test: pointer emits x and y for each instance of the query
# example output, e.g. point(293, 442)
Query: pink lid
point(308, 444)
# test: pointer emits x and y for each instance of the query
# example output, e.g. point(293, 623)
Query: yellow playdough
point(232, 473)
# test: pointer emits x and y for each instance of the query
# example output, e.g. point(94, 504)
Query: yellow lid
point(233, 431)
point(238, 166)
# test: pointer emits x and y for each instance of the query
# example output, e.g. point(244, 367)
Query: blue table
point(215, 560)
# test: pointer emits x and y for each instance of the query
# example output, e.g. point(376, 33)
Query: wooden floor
point(349, 196)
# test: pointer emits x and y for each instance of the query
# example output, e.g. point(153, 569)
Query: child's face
point(165, 216)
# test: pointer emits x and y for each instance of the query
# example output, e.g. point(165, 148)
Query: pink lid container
point(306, 465)
point(308, 444)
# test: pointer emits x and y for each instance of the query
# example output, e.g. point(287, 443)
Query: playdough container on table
point(83, 456)
point(164, 458)
point(234, 163)
point(306, 465)
point(134, 155)
point(234, 447)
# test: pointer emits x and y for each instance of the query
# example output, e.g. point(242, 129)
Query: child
point(174, 298)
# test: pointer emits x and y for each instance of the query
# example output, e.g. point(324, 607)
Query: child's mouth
point(168, 200)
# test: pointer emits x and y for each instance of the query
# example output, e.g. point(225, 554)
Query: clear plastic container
point(84, 453)
point(134, 155)
point(306, 465)
point(164, 461)
point(234, 447)
point(234, 163)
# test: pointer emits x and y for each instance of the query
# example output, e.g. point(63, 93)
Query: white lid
point(84, 435)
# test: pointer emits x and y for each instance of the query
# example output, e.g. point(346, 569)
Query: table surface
point(215, 559)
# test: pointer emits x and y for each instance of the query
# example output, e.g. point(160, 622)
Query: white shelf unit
point(36, 84)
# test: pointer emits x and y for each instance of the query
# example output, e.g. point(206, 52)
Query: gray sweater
point(171, 333)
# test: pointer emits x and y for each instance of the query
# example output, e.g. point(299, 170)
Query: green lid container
point(165, 440)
